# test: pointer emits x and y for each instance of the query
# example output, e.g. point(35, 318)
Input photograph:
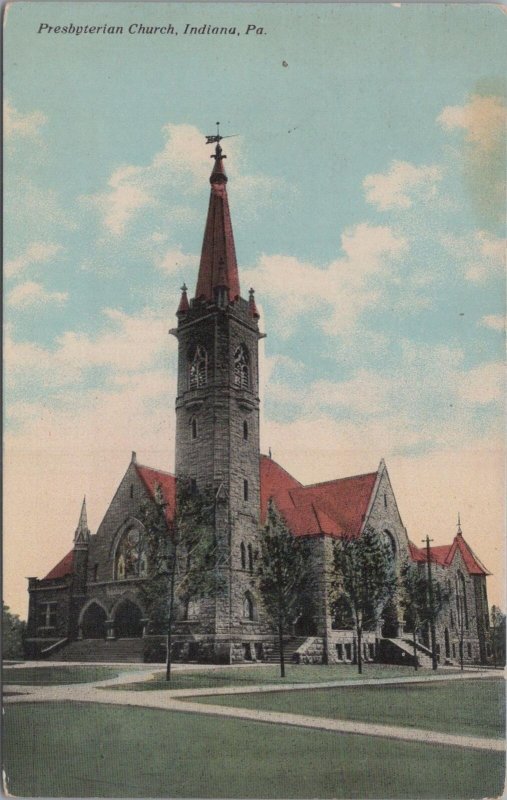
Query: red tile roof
point(472, 563)
point(444, 555)
point(167, 482)
point(334, 508)
point(63, 568)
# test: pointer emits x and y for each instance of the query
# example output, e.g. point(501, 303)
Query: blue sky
point(367, 203)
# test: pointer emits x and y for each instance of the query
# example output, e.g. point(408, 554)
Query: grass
point(471, 708)
point(91, 750)
point(55, 676)
point(248, 676)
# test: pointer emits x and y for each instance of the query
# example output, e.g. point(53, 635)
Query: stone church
point(89, 606)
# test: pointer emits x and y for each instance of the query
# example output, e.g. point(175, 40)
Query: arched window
point(242, 368)
point(250, 558)
point(463, 589)
point(193, 428)
point(245, 430)
point(248, 606)
point(391, 541)
point(131, 560)
point(243, 556)
point(198, 368)
point(245, 489)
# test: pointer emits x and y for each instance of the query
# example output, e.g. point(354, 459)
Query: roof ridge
point(336, 480)
point(286, 472)
point(155, 469)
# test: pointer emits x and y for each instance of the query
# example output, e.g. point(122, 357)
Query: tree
point(363, 573)
point(420, 605)
point(181, 556)
point(13, 630)
point(497, 636)
point(283, 575)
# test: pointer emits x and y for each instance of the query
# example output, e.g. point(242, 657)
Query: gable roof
point(333, 508)
point(472, 563)
point(62, 569)
point(443, 555)
point(152, 478)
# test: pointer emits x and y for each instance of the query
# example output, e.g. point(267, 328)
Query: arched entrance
point(127, 620)
point(93, 624)
point(305, 626)
point(390, 617)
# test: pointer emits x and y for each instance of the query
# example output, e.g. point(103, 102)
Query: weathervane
point(217, 138)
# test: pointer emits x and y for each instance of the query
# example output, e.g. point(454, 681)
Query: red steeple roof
point(218, 267)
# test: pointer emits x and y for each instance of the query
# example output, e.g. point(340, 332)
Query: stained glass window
point(131, 560)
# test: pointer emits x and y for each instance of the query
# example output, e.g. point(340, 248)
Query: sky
point(367, 199)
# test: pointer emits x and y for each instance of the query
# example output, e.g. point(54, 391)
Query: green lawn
point(248, 676)
point(90, 750)
point(53, 676)
point(468, 708)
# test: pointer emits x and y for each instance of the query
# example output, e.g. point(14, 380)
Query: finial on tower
point(251, 305)
point(460, 533)
point(184, 305)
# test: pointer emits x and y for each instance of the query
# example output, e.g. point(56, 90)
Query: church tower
point(217, 425)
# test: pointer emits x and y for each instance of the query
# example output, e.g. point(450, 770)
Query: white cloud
point(494, 321)
point(172, 260)
point(340, 291)
point(176, 172)
point(482, 118)
point(35, 209)
point(17, 124)
point(401, 184)
point(126, 344)
point(36, 253)
point(32, 294)
point(481, 253)
point(125, 196)
point(484, 384)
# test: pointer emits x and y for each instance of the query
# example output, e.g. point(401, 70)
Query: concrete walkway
point(174, 700)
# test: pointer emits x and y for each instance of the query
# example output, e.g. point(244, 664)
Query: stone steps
point(121, 650)
point(290, 647)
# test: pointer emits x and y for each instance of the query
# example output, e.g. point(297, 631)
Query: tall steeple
point(218, 278)
point(217, 421)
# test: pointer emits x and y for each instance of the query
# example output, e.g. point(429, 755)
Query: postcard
point(254, 331)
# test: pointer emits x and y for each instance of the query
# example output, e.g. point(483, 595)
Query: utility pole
point(434, 663)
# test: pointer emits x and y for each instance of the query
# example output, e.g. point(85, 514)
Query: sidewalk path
point(174, 700)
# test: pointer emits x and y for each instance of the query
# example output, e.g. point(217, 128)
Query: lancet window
point(242, 368)
point(198, 368)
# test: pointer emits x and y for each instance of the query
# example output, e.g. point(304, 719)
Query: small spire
point(183, 306)
point(133, 458)
point(82, 534)
point(269, 452)
point(460, 532)
point(251, 305)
